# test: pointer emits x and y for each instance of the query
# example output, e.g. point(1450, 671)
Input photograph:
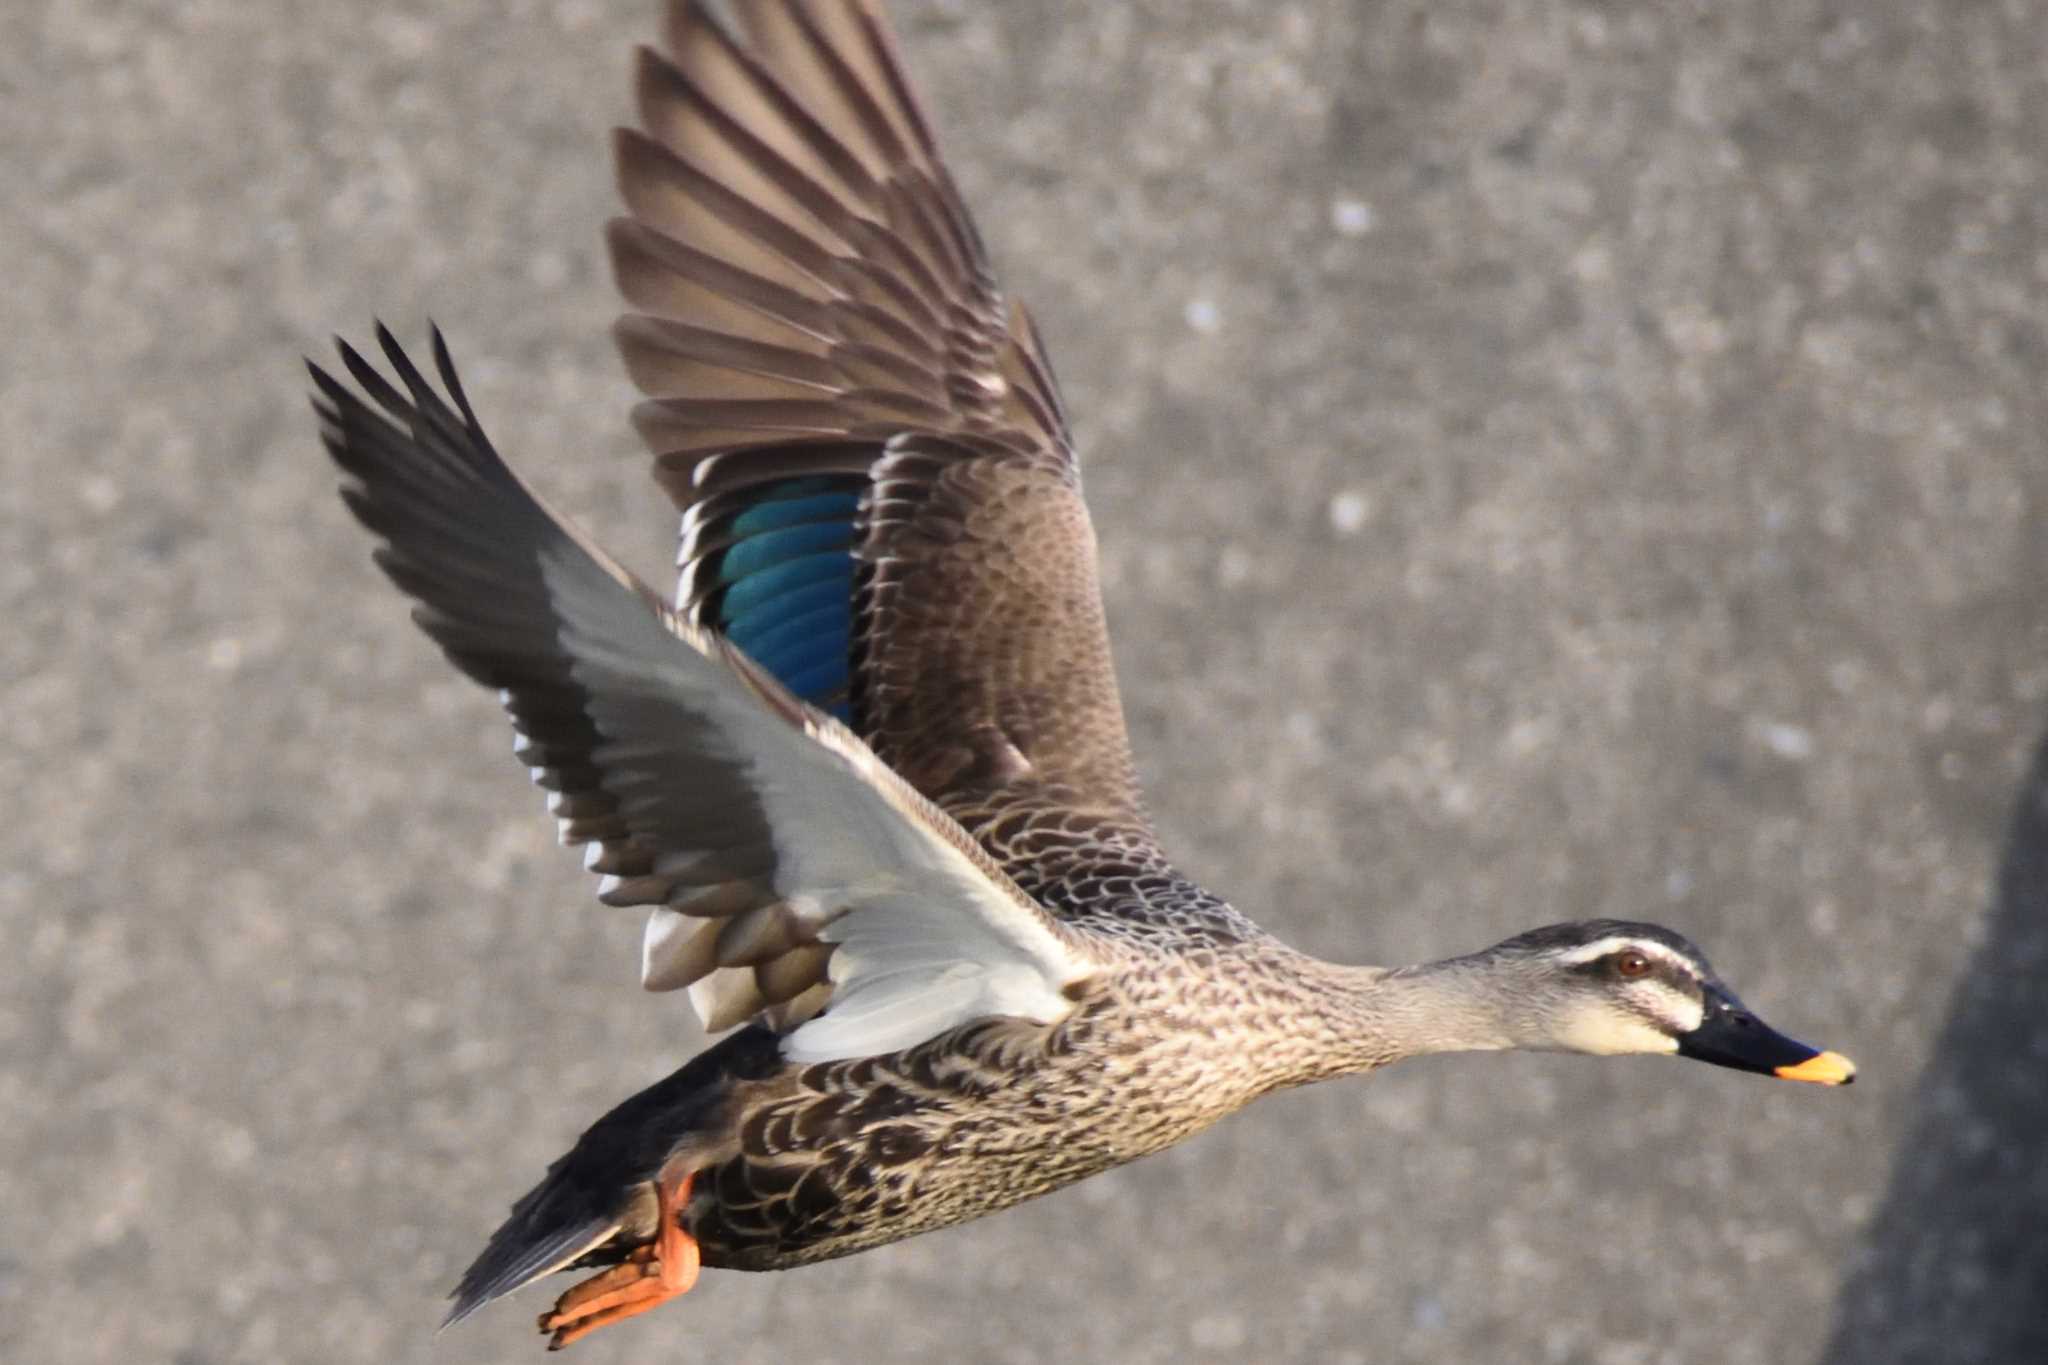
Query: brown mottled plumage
point(870, 771)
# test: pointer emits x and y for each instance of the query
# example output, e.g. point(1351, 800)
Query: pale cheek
point(1615, 1035)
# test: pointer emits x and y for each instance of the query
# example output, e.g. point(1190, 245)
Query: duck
point(867, 769)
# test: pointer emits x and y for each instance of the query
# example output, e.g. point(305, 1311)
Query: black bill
point(1729, 1035)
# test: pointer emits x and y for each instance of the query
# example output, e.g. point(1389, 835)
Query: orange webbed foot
point(652, 1275)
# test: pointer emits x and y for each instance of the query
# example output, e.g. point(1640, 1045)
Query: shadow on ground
point(1956, 1269)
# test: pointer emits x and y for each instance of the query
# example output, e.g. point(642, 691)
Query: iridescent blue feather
point(782, 586)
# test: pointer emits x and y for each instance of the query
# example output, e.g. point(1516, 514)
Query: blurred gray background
point(1551, 459)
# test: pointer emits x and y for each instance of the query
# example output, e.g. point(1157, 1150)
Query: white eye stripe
point(1593, 951)
point(1614, 943)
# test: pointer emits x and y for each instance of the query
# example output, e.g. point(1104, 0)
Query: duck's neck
point(1372, 1016)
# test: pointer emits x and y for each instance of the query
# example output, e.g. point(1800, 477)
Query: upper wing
point(773, 837)
point(880, 502)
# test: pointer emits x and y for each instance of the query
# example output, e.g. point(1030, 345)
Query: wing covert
point(880, 499)
point(789, 867)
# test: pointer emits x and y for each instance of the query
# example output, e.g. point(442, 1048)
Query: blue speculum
point(783, 589)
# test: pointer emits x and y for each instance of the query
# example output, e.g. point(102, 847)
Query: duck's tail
point(596, 1203)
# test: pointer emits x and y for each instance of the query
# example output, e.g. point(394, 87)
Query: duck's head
point(1608, 987)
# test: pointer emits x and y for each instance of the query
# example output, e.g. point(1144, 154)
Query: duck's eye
point(1631, 965)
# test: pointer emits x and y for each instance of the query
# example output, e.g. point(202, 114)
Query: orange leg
point(652, 1275)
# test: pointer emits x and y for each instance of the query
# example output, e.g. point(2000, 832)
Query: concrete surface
point(1551, 459)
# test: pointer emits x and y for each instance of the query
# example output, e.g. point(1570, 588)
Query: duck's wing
point(774, 839)
point(881, 504)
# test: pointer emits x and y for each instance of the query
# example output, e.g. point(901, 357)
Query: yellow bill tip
point(1822, 1068)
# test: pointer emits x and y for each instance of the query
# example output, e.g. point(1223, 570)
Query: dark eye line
point(1609, 966)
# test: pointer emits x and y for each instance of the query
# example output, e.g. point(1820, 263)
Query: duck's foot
point(653, 1274)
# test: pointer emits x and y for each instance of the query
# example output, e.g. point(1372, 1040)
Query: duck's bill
point(1731, 1036)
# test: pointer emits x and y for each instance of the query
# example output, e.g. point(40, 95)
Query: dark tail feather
point(514, 1258)
point(587, 1199)
point(548, 1230)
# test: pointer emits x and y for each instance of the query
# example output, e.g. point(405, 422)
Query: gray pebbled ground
point(1550, 459)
